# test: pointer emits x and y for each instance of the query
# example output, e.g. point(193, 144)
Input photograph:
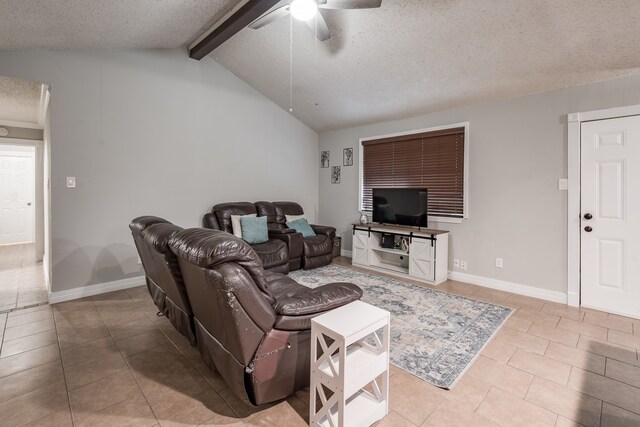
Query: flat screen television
point(402, 206)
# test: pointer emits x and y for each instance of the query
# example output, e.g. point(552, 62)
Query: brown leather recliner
point(252, 326)
point(316, 250)
point(136, 226)
point(278, 230)
point(273, 253)
point(163, 276)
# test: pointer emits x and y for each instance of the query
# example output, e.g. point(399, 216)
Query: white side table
point(349, 351)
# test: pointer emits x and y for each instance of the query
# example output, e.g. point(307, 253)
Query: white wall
point(152, 132)
point(518, 150)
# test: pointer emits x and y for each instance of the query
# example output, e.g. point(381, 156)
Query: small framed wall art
point(335, 174)
point(347, 157)
point(324, 159)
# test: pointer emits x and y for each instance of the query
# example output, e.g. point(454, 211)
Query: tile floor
point(109, 360)
point(21, 278)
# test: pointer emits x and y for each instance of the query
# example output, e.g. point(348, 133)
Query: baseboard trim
point(515, 288)
point(573, 299)
point(97, 289)
point(345, 253)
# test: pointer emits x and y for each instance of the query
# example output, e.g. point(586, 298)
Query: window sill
point(444, 219)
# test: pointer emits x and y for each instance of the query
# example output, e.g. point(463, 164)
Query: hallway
point(21, 278)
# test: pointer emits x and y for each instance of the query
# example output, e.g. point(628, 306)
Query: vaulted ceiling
point(414, 56)
point(406, 58)
point(99, 24)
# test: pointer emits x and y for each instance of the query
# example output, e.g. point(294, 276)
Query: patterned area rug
point(435, 335)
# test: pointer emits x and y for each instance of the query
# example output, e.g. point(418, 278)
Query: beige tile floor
point(21, 278)
point(110, 361)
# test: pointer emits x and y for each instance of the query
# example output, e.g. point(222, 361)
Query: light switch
point(563, 184)
point(71, 182)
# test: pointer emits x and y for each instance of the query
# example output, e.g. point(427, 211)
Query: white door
point(17, 187)
point(610, 209)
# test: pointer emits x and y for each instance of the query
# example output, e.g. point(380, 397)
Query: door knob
point(588, 216)
point(588, 229)
point(28, 203)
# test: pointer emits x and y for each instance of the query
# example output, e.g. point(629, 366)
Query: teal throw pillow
point(254, 229)
point(302, 226)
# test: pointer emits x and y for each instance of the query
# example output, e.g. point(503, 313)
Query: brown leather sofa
point(273, 253)
point(302, 252)
point(164, 279)
point(316, 250)
point(252, 326)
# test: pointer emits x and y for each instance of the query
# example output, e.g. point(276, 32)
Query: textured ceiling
point(98, 24)
point(412, 57)
point(19, 100)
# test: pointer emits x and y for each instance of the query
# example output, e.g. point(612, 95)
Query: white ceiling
point(97, 24)
point(20, 101)
point(413, 56)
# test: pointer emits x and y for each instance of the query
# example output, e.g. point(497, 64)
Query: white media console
point(426, 259)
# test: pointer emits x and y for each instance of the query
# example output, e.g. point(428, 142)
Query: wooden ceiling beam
point(245, 15)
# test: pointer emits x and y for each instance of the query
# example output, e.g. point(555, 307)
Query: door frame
point(574, 121)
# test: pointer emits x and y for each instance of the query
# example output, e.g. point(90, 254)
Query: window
point(434, 160)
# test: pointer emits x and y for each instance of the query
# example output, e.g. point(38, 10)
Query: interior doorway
point(24, 194)
point(17, 195)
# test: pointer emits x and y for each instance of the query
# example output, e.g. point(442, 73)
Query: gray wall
point(518, 150)
point(154, 132)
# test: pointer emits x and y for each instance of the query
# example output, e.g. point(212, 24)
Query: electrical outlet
point(463, 265)
point(71, 182)
point(456, 263)
point(498, 262)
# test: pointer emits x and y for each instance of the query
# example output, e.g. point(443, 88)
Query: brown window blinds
point(431, 160)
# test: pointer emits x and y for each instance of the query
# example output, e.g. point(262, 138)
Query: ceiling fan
point(306, 10)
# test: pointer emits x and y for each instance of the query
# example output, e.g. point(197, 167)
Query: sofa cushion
point(272, 253)
point(301, 226)
point(158, 235)
point(291, 218)
point(287, 208)
point(207, 248)
point(317, 245)
point(254, 229)
point(223, 212)
point(140, 223)
point(266, 209)
point(236, 226)
point(295, 305)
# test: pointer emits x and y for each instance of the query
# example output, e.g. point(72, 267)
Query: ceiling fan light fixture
point(303, 10)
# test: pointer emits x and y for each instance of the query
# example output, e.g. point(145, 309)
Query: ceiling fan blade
point(270, 17)
point(319, 26)
point(349, 4)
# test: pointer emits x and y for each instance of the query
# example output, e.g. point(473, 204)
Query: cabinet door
point(421, 262)
point(360, 248)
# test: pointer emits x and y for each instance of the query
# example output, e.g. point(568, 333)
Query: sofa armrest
point(277, 230)
point(209, 220)
point(323, 229)
point(318, 300)
point(291, 238)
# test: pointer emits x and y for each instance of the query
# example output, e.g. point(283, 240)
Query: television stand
point(426, 259)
